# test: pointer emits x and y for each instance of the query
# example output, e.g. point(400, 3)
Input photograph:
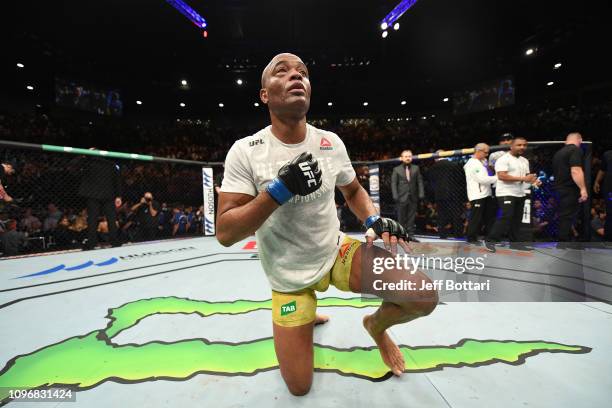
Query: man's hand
point(142, 200)
point(596, 187)
point(300, 176)
point(583, 195)
point(530, 178)
point(8, 198)
point(389, 230)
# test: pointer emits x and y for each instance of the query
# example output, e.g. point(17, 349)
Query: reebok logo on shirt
point(325, 144)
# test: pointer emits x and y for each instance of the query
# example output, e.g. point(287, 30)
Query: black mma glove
point(300, 176)
point(381, 225)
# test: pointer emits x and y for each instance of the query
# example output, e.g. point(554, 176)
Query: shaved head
point(574, 138)
point(481, 146)
point(277, 58)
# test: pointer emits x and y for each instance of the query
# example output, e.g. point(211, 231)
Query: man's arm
point(394, 180)
point(240, 215)
point(358, 200)
point(578, 177)
point(504, 176)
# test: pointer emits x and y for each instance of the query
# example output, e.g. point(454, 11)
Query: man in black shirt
point(606, 191)
point(101, 187)
point(569, 183)
point(147, 216)
point(6, 169)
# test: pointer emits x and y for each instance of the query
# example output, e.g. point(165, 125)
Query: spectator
point(569, 183)
point(13, 241)
point(407, 189)
point(147, 216)
point(479, 193)
point(101, 187)
point(512, 171)
point(29, 223)
point(6, 169)
point(53, 217)
point(598, 226)
point(179, 221)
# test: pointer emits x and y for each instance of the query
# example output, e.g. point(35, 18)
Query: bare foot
point(390, 353)
point(321, 319)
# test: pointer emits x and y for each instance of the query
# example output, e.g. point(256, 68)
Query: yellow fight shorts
point(299, 308)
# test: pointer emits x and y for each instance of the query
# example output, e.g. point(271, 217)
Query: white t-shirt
point(515, 166)
point(298, 243)
point(477, 179)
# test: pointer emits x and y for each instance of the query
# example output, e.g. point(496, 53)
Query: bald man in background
point(569, 183)
point(479, 193)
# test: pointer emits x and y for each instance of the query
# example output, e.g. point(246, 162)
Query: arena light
point(188, 12)
point(385, 34)
point(529, 51)
point(551, 83)
point(256, 105)
point(329, 104)
point(557, 65)
point(396, 26)
point(396, 13)
point(365, 104)
point(138, 102)
point(20, 65)
point(183, 82)
point(445, 100)
point(221, 104)
point(239, 81)
point(403, 102)
point(30, 88)
point(182, 105)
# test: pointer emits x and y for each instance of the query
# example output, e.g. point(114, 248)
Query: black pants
point(510, 220)
point(482, 214)
point(147, 232)
point(406, 213)
point(449, 212)
point(568, 207)
point(94, 207)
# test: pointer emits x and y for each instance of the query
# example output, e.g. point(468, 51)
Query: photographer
point(147, 216)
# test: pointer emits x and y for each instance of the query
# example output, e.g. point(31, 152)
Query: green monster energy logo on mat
point(288, 308)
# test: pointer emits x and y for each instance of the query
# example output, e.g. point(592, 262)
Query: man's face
point(406, 157)
point(506, 142)
point(9, 169)
point(286, 86)
point(148, 196)
point(483, 153)
point(518, 146)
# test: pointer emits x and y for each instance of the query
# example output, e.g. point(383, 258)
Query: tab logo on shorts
point(288, 308)
point(325, 144)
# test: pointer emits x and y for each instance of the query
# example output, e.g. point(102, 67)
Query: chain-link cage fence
point(56, 193)
point(445, 210)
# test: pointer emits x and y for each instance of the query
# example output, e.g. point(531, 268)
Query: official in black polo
point(407, 188)
point(101, 187)
point(569, 183)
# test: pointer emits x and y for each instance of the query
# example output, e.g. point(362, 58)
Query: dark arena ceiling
point(145, 48)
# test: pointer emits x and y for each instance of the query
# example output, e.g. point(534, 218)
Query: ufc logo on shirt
point(307, 171)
